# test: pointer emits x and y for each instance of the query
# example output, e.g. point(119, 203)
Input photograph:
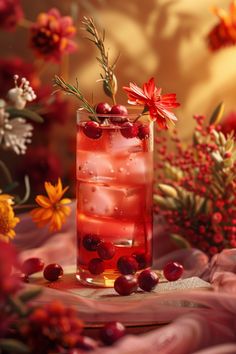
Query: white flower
point(19, 95)
point(14, 133)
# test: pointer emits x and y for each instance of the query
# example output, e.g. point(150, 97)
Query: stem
point(113, 99)
point(25, 23)
point(6, 172)
point(25, 206)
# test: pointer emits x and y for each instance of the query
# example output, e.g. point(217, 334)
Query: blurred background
point(166, 39)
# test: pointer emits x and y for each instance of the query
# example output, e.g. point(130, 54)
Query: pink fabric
point(209, 327)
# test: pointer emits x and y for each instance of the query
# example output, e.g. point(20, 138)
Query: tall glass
point(114, 195)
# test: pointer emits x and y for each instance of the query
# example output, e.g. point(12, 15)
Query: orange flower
point(51, 35)
point(223, 33)
point(8, 221)
point(150, 97)
point(53, 209)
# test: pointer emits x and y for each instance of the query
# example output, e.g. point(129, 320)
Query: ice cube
point(94, 166)
point(118, 143)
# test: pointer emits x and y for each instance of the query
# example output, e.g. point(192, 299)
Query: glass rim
point(133, 113)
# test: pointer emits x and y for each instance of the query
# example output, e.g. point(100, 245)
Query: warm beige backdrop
point(161, 38)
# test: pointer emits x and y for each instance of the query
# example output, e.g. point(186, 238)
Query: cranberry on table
point(125, 285)
point(96, 266)
point(148, 280)
point(53, 272)
point(129, 130)
point(111, 332)
point(127, 265)
point(91, 242)
point(142, 260)
point(32, 265)
point(106, 250)
point(103, 108)
point(173, 271)
point(92, 130)
point(143, 132)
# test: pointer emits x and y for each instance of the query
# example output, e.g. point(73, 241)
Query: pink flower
point(10, 14)
point(51, 35)
point(150, 97)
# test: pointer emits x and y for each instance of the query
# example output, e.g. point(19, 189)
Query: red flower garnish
point(223, 33)
point(51, 35)
point(151, 98)
point(229, 123)
point(10, 14)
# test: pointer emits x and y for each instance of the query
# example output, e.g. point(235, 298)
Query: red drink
point(114, 197)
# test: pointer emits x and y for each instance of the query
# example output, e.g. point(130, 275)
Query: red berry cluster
point(210, 227)
point(147, 280)
point(51, 272)
point(117, 115)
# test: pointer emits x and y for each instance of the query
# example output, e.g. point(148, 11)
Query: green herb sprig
point(108, 77)
point(69, 89)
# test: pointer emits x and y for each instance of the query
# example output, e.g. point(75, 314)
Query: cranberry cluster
point(147, 280)
point(51, 272)
point(117, 115)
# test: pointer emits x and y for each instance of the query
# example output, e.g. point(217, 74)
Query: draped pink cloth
point(207, 328)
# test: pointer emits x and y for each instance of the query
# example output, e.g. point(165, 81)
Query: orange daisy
point(8, 221)
point(53, 209)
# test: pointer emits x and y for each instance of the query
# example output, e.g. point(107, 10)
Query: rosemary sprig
point(74, 90)
point(108, 77)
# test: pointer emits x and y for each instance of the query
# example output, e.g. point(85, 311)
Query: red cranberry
point(53, 272)
point(111, 332)
point(129, 130)
point(127, 265)
point(120, 112)
point(103, 108)
point(106, 250)
point(32, 265)
point(91, 242)
point(92, 130)
point(147, 280)
point(173, 271)
point(86, 343)
point(143, 132)
point(125, 285)
point(142, 259)
point(96, 266)
point(118, 109)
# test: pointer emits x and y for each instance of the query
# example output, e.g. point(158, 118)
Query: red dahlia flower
point(51, 35)
point(151, 98)
point(10, 14)
point(223, 33)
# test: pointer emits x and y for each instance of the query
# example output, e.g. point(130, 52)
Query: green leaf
point(30, 294)
point(13, 346)
point(180, 241)
point(217, 114)
point(24, 113)
point(17, 305)
point(10, 187)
